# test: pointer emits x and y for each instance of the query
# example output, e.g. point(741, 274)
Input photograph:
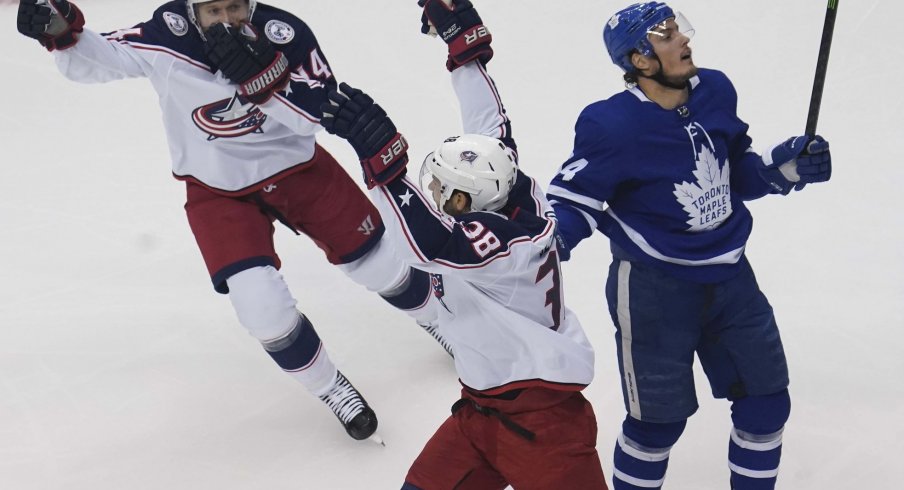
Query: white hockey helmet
point(477, 165)
point(193, 17)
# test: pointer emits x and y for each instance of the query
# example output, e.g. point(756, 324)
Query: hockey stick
point(828, 28)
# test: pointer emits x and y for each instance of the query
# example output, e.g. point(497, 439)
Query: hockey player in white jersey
point(240, 85)
point(485, 233)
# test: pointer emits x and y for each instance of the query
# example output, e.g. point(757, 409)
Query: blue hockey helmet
point(627, 31)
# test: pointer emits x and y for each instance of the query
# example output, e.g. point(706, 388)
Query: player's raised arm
point(275, 63)
point(81, 54)
point(247, 59)
point(56, 24)
point(468, 40)
point(466, 174)
point(354, 116)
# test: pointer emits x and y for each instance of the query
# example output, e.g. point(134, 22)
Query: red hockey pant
point(476, 451)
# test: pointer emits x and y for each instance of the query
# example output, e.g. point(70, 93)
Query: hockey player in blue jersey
point(663, 170)
point(240, 85)
point(486, 234)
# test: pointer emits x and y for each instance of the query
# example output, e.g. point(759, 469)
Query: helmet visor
point(670, 28)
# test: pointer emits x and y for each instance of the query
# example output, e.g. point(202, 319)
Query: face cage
point(684, 28)
point(193, 17)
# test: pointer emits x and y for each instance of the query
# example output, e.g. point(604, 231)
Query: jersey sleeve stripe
point(425, 209)
point(495, 92)
point(590, 219)
point(558, 191)
point(730, 257)
point(146, 47)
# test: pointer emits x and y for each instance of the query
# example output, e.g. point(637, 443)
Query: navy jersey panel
point(307, 92)
point(305, 56)
point(452, 240)
point(668, 179)
point(169, 28)
point(521, 196)
point(430, 235)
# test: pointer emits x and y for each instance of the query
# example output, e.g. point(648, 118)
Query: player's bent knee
point(263, 303)
point(651, 434)
point(765, 414)
point(412, 294)
point(379, 270)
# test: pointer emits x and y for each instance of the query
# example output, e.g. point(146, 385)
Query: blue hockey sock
point(296, 350)
point(754, 459)
point(642, 454)
point(755, 447)
point(412, 294)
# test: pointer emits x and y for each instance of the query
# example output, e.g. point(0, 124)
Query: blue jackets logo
point(176, 23)
point(436, 280)
point(228, 118)
point(279, 32)
point(468, 156)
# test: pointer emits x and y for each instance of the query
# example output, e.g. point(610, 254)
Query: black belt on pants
point(492, 412)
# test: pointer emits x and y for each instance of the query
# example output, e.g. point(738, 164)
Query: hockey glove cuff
point(54, 23)
point(247, 59)
point(387, 164)
point(461, 28)
point(796, 162)
point(354, 116)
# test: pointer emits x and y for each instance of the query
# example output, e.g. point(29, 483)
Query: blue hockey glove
point(796, 162)
point(247, 59)
point(54, 23)
point(461, 28)
point(353, 116)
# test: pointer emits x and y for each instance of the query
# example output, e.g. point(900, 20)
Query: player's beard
point(675, 81)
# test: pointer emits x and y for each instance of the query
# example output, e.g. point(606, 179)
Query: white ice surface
point(120, 368)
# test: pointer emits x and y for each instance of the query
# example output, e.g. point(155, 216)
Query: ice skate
point(433, 330)
point(352, 410)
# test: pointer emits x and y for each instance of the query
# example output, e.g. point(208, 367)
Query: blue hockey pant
point(662, 321)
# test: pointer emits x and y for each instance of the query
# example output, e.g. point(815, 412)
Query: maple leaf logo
point(708, 201)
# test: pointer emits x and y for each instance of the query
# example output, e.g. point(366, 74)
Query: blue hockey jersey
point(666, 186)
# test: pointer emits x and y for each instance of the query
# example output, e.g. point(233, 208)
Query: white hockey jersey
point(216, 138)
point(495, 275)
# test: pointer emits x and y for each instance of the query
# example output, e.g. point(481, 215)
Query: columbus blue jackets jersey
point(666, 186)
point(216, 138)
point(495, 276)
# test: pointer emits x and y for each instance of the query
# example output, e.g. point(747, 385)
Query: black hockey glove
point(247, 59)
point(461, 28)
point(54, 23)
point(352, 115)
point(796, 162)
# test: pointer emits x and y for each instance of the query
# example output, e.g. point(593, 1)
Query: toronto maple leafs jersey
point(495, 275)
point(216, 137)
point(666, 186)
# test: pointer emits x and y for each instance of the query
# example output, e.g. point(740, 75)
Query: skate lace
point(344, 400)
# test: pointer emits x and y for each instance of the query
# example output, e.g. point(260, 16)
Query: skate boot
point(433, 330)
point(352, 410)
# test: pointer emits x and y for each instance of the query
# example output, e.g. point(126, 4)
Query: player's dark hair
point(630, 79)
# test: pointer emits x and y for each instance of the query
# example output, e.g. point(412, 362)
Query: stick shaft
point(822, 62)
